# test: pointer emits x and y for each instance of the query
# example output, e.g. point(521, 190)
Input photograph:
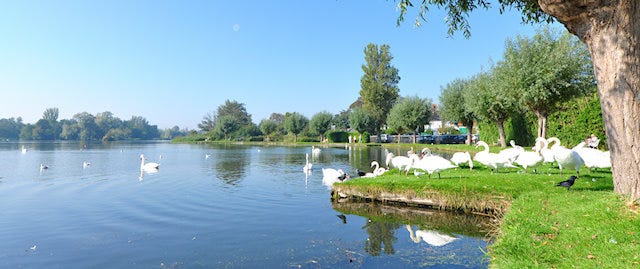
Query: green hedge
point(575, 119)
point(338, 137)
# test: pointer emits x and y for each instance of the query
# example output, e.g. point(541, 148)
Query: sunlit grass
point(543, 225)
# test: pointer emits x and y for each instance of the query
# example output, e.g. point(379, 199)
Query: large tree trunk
point(501, 134)
point(611, 30)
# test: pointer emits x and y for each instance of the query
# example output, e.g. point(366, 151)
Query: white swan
point(400, 162)
point(431, 164)
point(24, 150)
point(566, 158)
point(315, 150)
point(43, 167)
point(542, 145)
point(148, 166)
point(492, 160)
point(513, 152)
point(307, 167)
point(528, 158)
point(330, 176)
point(593, 158)
point(86, 164)
point(462, 157)
point(433, 238)
point(377, 170)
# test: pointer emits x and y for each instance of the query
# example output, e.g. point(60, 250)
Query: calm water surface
point(244, 207)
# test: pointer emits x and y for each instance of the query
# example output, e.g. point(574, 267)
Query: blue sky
point(172, 62)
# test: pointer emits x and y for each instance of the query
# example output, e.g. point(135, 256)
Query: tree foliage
point(458, 11)
point(546, 70)
point(491, 100)
point(320, 123)
point(361, 121)
point(294, 123)
point(454, 106)
point(379, 84)
point(409, 114)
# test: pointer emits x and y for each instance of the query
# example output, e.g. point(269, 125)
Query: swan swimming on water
point(148, 166)
point(307, 167)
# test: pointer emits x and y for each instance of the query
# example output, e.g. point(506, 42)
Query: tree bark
point(611, 30)
point(501, 133)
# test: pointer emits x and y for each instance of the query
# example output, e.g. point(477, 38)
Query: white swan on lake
point(307, 167)
point(315, 150)
point(330, 176)
point(150, 166)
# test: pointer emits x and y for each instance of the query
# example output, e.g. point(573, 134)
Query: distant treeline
point(84, 126)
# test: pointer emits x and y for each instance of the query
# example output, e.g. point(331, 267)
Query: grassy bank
point(543, 225)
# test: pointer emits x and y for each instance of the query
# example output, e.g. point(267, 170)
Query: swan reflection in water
point(430, 237)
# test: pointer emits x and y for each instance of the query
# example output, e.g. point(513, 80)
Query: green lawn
point(543, 225)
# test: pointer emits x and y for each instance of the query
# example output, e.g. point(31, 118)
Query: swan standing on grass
point(492, 160)
point(377, 170)
point(150, 166)
point(593, 158)
point(528, 158)
point(431, 164)
point(462, 157)
point(566, 158)
point(513, 152)
point(400, 162)
point(542, 145)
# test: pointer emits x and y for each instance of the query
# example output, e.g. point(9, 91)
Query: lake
point(242, 207)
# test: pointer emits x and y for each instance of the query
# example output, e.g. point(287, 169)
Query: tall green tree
point(227, 124)
point(546, 69)
point(320, 123)
point(361, 121)
point(341, 120)
point(409, 114)
point(87, 125)
point(268, 127)
point(208, 122)
point(107, 121)
point(295, 123)
point(379, 84)
point(236, 110)
point(599, 24)
point(491, 101)
point(454, 106)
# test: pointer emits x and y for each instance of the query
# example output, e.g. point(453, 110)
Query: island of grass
point(541, 225)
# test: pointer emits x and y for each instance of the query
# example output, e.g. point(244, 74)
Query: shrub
point(338, 136)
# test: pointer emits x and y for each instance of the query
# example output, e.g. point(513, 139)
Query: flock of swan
point(545, 151)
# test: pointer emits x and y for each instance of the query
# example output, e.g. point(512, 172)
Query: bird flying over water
point(567, 183)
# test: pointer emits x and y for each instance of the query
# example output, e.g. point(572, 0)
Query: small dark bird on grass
point(567, 183)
